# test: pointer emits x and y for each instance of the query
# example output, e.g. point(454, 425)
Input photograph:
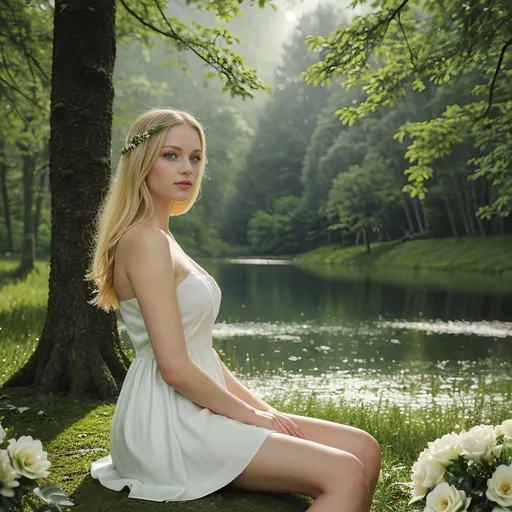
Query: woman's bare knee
point(292, 465)
point(346, 476)
point(370, 455)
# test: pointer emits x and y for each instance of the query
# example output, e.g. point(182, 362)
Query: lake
point(366, 335)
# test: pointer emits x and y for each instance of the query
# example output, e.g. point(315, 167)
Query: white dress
point(163, 446)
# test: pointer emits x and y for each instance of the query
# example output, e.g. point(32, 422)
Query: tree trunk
point(408, 215)
point(425, 216)
point(41, 193)
point(41, 190)
point(417, 215)
point(5, 196)
point(494, 220)
point(467, 203)
point(28, 248)
point(462, 210)
point(367, 239)
point(400, 176)
point(475, 209)
point(450, 216)
point(79, 349)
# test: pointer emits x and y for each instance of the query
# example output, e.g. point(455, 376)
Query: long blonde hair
point(128, 201)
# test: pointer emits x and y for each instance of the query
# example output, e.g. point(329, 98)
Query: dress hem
point(218, 481)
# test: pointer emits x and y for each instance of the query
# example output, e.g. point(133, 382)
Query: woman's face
point(179, 162)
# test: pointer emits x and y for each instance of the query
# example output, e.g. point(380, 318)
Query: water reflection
point(355, 331)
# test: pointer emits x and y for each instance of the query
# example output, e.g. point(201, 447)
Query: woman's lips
point(183, 186)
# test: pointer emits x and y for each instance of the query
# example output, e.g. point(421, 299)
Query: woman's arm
point(240, 391)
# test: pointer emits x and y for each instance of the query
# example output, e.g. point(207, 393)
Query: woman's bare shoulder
point(141, 234)
point(141, 240)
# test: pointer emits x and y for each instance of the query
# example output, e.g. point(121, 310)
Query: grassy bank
point(491, 255)
point(76, 432)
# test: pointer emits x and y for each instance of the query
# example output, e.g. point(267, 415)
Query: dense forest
point(377, 125)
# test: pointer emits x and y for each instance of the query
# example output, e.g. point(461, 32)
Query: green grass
point(75, 432)
point(490, 255)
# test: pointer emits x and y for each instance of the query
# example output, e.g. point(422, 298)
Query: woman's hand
point(274, 420)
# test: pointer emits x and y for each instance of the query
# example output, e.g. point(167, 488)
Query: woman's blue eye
point(195, 159)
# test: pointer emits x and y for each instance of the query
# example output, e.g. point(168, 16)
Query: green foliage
point(210, 44)
point(284, 130)
point(361, 197)
point(150, 39)
point(275, 233)
point(25, 47)
point(401, 46)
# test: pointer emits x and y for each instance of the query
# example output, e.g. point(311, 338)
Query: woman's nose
point(186, 167)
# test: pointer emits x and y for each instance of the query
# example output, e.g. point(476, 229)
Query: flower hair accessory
point(141, 137)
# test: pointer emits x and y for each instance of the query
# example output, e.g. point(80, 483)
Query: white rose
point(504, 429)
point(479, 443)
point(7, 475)
point(426, 473)
point(500, 509)
point(499, 486)
point(445, 448)
point(2, 434)
point(447, 498)
point(28, 457)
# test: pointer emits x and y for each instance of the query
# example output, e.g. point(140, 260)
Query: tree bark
point(5, 196)
point(79, 349)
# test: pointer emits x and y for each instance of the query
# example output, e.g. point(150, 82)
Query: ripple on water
point(482, 328)
point(415, 391)
point(291, 330)
point(287, 330)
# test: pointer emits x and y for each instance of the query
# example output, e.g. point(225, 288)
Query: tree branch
point(496, 72)
point(14, 88)
point(393, 14)
point(6, 67)
point(145, 23)
point(335, 64)
point(413, 60)
point(174, 35)
point(14, 106)
point(225, 70)
point(20, 44)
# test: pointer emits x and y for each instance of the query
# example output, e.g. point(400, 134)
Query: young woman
point(184, 426)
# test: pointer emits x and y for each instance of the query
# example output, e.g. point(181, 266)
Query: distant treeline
point(286, 176)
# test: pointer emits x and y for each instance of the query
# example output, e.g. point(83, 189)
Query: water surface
point(364, 334)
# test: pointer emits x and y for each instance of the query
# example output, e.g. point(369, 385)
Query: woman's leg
point(346, 438)
point(335, 479)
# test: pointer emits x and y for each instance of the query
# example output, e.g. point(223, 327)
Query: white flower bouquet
point(23, 469)
point(470, 471)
